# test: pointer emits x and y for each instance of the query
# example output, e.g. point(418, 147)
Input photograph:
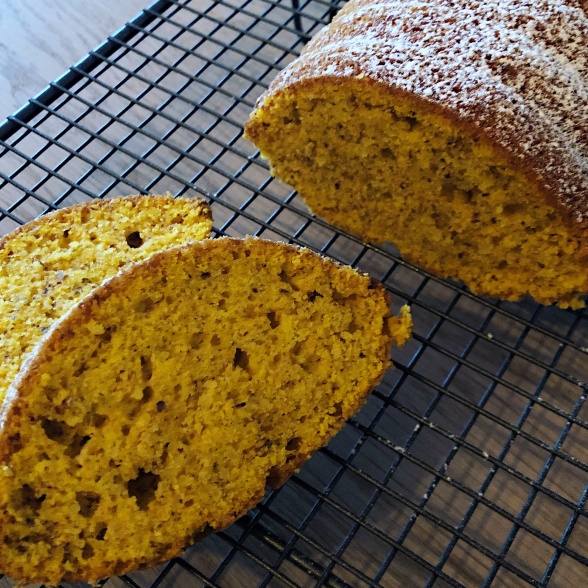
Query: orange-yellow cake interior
point(384, 168)
point(161, 408)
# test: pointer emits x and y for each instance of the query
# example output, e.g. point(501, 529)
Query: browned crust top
point(512, 71)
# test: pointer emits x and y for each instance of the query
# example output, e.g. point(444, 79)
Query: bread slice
point(50, 264)
point(160, 406)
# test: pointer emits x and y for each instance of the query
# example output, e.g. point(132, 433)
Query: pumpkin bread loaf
point(50, 264)
point(159, 407)
point(457, 130)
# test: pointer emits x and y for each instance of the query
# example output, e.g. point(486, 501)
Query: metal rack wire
point(469, 464)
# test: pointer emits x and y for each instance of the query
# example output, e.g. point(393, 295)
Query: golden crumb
point(376, 165)
point(160, 407)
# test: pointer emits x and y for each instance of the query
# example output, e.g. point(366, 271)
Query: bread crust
point(512, 73)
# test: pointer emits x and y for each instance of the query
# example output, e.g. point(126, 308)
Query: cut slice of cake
point(159, 407)
point(50, 264)
point(457, 130)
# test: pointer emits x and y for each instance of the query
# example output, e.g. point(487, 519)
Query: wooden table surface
point(41, 39)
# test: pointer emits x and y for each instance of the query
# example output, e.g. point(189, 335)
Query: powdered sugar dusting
point(515, 69)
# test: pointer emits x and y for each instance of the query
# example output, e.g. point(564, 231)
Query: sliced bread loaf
point(161, 406)
point(50, 264)
point(456, 129)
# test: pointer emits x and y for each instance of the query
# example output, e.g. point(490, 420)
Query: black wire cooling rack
point(469, 464)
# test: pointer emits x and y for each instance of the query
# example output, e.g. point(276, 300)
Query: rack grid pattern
point(468, 466)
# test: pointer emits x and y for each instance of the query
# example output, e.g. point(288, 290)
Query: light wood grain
point(41, 39)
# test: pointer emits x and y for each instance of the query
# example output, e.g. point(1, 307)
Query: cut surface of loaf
point(456, 130)
point(161, 406)
point(50, 264)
